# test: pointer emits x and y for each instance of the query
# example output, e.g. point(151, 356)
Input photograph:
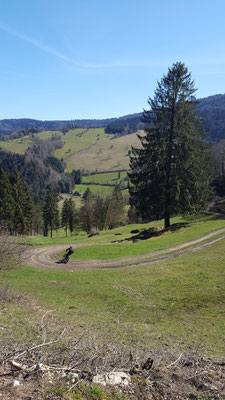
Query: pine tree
point(7, 203)
point(65, 215)
point(169, 173)
point(73, 219)
point(37, 221)
point(86, 213)
point(23, 205)
point(50, 212)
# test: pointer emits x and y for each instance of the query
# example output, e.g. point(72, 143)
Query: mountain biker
point(69, 252)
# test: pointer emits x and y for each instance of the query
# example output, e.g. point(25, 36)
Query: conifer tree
point(169, 173)
point(50, 212)
point(7, 203)
point(72, 215)
point(65, 215)
point(86, 213)
point(23, 205)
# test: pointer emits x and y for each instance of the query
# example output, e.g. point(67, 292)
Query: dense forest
point(39, 168)
point(8, 126)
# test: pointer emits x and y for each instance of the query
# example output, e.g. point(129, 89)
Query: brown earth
point(48, 256)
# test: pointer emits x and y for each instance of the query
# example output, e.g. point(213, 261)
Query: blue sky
point(74, 59)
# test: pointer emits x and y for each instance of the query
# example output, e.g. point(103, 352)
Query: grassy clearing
point(93, 150)
point(179, 303)
point(45, 135)
point(20, 145)
point(112, 178)
point(95, 189)
point(77, 140)
point(85, 149)
point(17, 145)
point(195, 227)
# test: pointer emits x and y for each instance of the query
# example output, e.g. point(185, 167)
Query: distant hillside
point(8, 126)
point(211, 109)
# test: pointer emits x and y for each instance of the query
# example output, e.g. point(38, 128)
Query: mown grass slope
point(178, 303)
point(183, 229)
point(17, 145)
point(85, 149)
point(104, 154)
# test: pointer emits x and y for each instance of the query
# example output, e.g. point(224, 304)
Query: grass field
point(178, 303)
point(20, 145)
point(193, 227)
point(107, 154)
point(17, 145)
point(95, 189)
point(96, 183)
point(86, 149)
point(112, 178)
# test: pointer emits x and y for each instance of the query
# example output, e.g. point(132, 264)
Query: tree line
point(39, 168)
point(24, 215)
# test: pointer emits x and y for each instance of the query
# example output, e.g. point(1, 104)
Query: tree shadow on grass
point(153, 232)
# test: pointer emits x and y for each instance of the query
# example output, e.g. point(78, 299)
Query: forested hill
point(211, 109)
point(8, 126)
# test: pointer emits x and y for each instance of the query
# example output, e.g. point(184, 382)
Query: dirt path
point(47, 257)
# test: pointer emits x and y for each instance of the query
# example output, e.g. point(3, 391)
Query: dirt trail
point(47, 257)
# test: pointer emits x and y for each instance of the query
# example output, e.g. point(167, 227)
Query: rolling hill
point(211, 110)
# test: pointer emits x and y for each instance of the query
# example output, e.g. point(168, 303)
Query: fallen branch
point(75, 384)
point(18, 366)
point(173, 363)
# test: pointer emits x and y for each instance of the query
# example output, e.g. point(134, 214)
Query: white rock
point(73, 376)
point(112, 378)
point(16, 383)
point(41, 367)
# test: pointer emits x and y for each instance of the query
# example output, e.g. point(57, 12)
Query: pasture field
point(17, 145)
point(97, 183)
point(45, 135)
point(85, 149)
point(95, 189)
point(20, 145)
point(112, 178)
point(93, 150)
point(174, 304)
point(108, 243)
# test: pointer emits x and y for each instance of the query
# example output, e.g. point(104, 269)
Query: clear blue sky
point(74, 59)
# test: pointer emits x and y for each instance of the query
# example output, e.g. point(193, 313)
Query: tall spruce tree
point(68, 215)
point(65, 215)
point(50, 212)
point(23, 205)
point(169, 173)
point(7, 204)
point(16, 204)
point(73, 218)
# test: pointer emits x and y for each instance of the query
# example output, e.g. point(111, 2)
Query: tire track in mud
point(47, 256)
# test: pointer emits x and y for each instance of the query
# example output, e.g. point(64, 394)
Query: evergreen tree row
point(16, 204)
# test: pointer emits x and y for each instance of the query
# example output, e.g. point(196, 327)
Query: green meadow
point(17, 145)
point(95, 189)
point(89, 150)
point(108, 243)
point(178, 303)
point(107, 178)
